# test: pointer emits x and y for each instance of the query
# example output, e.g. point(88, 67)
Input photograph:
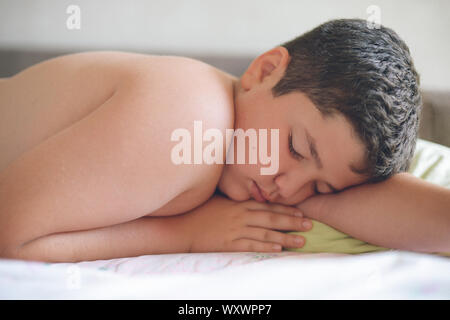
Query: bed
point(339, 268)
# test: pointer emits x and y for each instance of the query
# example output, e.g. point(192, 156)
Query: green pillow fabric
point(431, 162)
point(323, 238)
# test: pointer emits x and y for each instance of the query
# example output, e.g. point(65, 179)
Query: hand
point(224, 225)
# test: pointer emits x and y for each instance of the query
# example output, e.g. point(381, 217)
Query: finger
point(274, 207)
point(248, 245)
point(267, 235)
point(275, 221)
point(280, 208)
point(255, 205)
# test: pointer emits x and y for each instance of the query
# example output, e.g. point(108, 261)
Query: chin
point(235, 194)
point(238, 196)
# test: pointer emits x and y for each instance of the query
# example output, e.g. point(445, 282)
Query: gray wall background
point(227, 33)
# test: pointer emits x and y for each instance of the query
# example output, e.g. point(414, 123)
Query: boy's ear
point(268, 67)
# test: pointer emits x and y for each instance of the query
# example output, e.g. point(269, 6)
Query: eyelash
point(315, 189)
point(299, 156)
point(291, 149)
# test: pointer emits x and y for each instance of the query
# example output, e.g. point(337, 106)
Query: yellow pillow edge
point(323, 238)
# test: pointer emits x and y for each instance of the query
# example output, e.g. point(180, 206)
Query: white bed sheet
point(249, 275)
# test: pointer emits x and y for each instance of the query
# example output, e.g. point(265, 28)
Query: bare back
point(49, 96)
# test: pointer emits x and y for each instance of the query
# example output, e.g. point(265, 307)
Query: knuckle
point(297, 222)
point(251, 246)
point(244, 218)
point(274, 218)
point(250, 203)
point(298, 213)
point(281, 208)
point(230, 246)
point(288, 240)
point(236, 245)
point(266, 235)
point(273, 247)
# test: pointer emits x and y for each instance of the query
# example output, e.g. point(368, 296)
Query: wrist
point(182, 224)
point(315, 207)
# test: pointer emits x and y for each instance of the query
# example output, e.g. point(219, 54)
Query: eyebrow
point(315, 155)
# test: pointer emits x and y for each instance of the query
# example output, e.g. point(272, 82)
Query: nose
point(291, 185)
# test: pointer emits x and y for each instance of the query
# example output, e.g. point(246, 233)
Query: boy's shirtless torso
point(51, 96)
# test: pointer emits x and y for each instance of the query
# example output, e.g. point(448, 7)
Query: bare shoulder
point(180, 91)
point(190, 86)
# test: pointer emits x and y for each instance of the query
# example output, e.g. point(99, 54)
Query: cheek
point(232, 184)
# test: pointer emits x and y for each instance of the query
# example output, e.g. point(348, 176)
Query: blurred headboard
point(435, 117)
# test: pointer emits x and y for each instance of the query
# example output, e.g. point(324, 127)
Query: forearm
point(148, 235)
point(403, 212)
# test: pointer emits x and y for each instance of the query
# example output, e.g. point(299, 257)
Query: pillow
point(431, 162)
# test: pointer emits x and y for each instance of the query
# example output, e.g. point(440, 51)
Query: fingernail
point(307, 224)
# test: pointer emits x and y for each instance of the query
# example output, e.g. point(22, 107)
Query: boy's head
point(353, 89)
point(368, 76)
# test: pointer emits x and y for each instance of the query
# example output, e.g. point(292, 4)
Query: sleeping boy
point(87, 170)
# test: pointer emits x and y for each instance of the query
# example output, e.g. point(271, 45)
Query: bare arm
point(218, 225)
point(403, 212)
point(148, 235)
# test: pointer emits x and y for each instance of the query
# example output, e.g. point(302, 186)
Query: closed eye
point(317, 192)
point(315, 189)
point(292, 150)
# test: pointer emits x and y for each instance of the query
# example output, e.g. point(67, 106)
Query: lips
point(264, 194)
point(256, 193)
